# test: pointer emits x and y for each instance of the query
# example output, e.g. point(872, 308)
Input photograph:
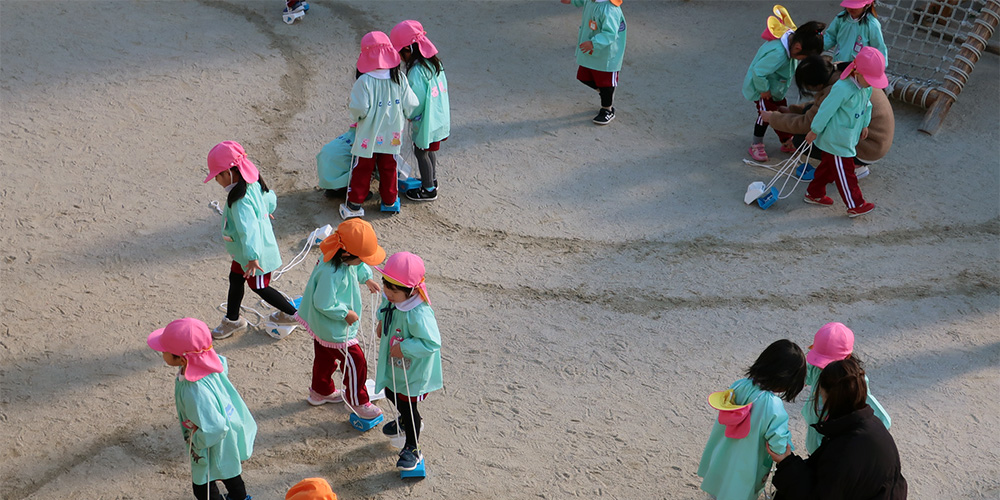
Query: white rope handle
point(786, 169)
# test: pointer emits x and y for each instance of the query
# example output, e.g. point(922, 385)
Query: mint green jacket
point(432, 116)
point(735, 469)
point(604, 26)
point(421, 346)
point(814, 438)
point(216, 421)
point(846, 110)
point(849, 35)
point(381, 108)
point(770, 71)
point(330, 293)
point(246, 229)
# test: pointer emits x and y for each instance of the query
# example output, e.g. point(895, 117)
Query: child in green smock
point(735, 463)
point(217, 426)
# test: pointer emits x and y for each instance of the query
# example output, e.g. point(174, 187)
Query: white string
point(786, 169)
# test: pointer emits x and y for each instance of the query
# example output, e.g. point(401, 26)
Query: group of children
point(386, 96)
point(216, 424)
point(752, 418)
point(844, 115)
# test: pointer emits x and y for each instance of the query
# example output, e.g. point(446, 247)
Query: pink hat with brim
point(411, 32)
point(734, 416)
point(190, 339)
point(377, 53)
point(833, 342)
point(228, 154)
point(406, 269)
point(871, 64)
point(855, 4)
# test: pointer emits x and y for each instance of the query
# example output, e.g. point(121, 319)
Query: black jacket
point(857, 460)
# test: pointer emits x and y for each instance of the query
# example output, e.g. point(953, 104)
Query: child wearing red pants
point(842, 120)
point(381, 102)
point(329, 311)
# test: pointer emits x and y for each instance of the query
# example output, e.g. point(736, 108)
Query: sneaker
point(409, 458)
point(335, 193)
point(349, 210)
point(421, 194)
point(367, 411)
point(788, 147)
point(863, 209)
point(248, 497)
point(392, 428)
point(861, 172)
point(604, 116)
point(280, 325)
point(228, 328)
point(826, 200)
point(316, 399)
point(757, 152)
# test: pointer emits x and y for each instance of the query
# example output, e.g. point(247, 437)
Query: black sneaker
point(390, 429)
point(408, 459)
point(421, 194)
point(604, 116)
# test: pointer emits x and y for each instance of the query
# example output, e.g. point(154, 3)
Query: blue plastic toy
point(768, 198)
point(394, 208)
point(363, 424)
point(809, 173)
point(407, 184)
point(418, 472)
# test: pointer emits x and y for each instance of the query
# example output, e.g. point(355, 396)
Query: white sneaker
point(347, 213)
point(316, 399)
point(861, 172)
point(228, 328)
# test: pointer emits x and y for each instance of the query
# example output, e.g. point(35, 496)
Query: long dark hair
point(339, 257)
point(240, 189)
point(843, 382)
point(810, 36)
point(393, 74)
point(781, 368)
point(813, 70)
point(432, 63)
point(869, 9)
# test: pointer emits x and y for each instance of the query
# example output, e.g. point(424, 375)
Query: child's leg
point(361, 180)
point(824, 175)
point(355, 374)
point(426, 165)
point(235, 488)
point(387, 177)
point(325, 360)
point(760, 126)
point(607, 97)
point(236, 291)
point(408, 415)
point(434, 162)
point(847, 181)
point(261, 286)
point(585, 77)
point(206, 492)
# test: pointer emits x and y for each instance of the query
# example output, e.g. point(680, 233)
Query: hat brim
point(818, 360)
point(616, 3)
point(153, 340)
point(374, 259)
point(854, 4)
point(719, 401)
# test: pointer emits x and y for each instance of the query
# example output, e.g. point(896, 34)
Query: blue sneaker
point(409, 458)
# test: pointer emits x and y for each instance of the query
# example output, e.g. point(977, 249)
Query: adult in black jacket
point(857, 459)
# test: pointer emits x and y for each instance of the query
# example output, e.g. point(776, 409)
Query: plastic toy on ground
point(365, 424)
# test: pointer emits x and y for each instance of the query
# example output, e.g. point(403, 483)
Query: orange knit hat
point(313, 488)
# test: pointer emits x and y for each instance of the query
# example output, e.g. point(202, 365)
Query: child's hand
point(378, 330)
point(587, 47)
point(783, 109)
point(811, 136)
point(373, 286)
point(252, 267)
point(395, 351)
point(765, 115)
point(776, 457)
point(864, 133)
point(351, 317)
point(765, 95)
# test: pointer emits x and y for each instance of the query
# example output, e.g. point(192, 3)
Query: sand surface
point(593, 284)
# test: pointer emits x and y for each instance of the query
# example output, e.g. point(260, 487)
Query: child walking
point(841, 121)
point(735, 463)
point(833, 342)
point(409, 355)
point(381, 101)
point(331, 305)
point(855, 27)
point(432, 118)
point(246, 229)
point(770, 74)
point(217, 426)
point(600, 50)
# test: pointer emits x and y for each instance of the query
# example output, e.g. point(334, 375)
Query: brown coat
point(880, 130)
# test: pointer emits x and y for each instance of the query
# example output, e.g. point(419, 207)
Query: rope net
point(933, 47)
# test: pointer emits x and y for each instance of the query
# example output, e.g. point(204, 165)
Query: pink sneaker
point(367, 411)
point(757, 152)
point(788, 146)
point(317, 399)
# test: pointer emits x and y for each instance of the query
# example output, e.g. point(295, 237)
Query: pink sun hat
point(833, 342)
point(406, 269)
point(376, 53)
point(411, 32)
point(735, 417)
point(855, 4)
point(228, 154)
point(871, 64)
point(190, 339)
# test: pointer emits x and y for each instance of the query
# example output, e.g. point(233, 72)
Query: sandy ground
point(593, 285)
